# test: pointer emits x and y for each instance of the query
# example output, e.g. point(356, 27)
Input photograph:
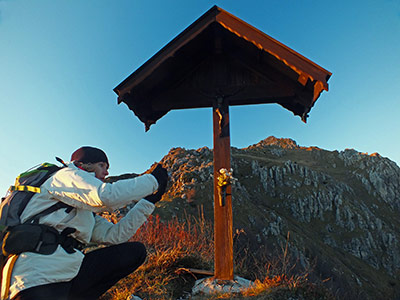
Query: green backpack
point(26, 185)
point(31, 236)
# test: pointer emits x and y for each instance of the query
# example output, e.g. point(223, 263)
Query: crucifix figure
point(220, 61)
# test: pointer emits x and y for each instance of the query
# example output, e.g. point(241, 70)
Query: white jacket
point(87, 194)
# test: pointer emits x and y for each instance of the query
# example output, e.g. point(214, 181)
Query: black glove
point(154, 198)
point(161, 175)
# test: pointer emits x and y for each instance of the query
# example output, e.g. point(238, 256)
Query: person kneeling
point(67, 273)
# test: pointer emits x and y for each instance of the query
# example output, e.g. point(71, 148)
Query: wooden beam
point(223, 236)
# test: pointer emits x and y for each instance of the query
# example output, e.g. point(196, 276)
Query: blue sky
point(60, 60)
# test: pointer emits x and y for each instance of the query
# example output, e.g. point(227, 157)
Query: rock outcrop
point(340, 208)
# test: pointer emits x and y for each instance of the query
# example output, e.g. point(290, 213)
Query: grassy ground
point(175, 248)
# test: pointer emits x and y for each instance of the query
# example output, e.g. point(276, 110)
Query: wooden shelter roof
point(219, 55)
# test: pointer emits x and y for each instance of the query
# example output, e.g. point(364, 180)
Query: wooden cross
point(219, 61)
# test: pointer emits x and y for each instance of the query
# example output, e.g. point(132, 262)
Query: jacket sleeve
point(81, 189)
point(105, 232)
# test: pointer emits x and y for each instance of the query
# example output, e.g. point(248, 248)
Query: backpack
point(31, 236)
point(16, 238)
point(26, 185)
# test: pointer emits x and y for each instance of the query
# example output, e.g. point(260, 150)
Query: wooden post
point(223, 237)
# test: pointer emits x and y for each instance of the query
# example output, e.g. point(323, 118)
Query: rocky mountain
point(341, 209)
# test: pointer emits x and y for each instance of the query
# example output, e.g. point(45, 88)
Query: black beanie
point(89, 155)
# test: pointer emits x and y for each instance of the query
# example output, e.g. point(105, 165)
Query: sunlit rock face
point(341, 209)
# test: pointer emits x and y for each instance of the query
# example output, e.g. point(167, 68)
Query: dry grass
point(175, 246)
point(192, 235)
point(171, 246)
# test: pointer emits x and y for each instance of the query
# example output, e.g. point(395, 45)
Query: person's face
point(100, 170)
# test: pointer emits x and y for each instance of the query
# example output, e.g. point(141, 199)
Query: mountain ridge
point(340, 208)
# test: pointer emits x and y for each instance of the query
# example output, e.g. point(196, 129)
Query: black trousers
point(100, 270)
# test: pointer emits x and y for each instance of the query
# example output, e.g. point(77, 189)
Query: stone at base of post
point(133, 297)
point(211, 285)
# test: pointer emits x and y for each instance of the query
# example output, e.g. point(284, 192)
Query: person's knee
point(136, 252)
point(141, 252)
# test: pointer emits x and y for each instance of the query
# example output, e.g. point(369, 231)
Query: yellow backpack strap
point(25, 188)
point(12, 259)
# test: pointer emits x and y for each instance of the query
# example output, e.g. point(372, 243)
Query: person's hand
point(161, 175)
point(154, 198)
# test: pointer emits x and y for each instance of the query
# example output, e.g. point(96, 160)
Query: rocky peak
point(284, 143)
point(341, 208)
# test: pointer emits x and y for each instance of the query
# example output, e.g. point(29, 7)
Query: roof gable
point(220, 55)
